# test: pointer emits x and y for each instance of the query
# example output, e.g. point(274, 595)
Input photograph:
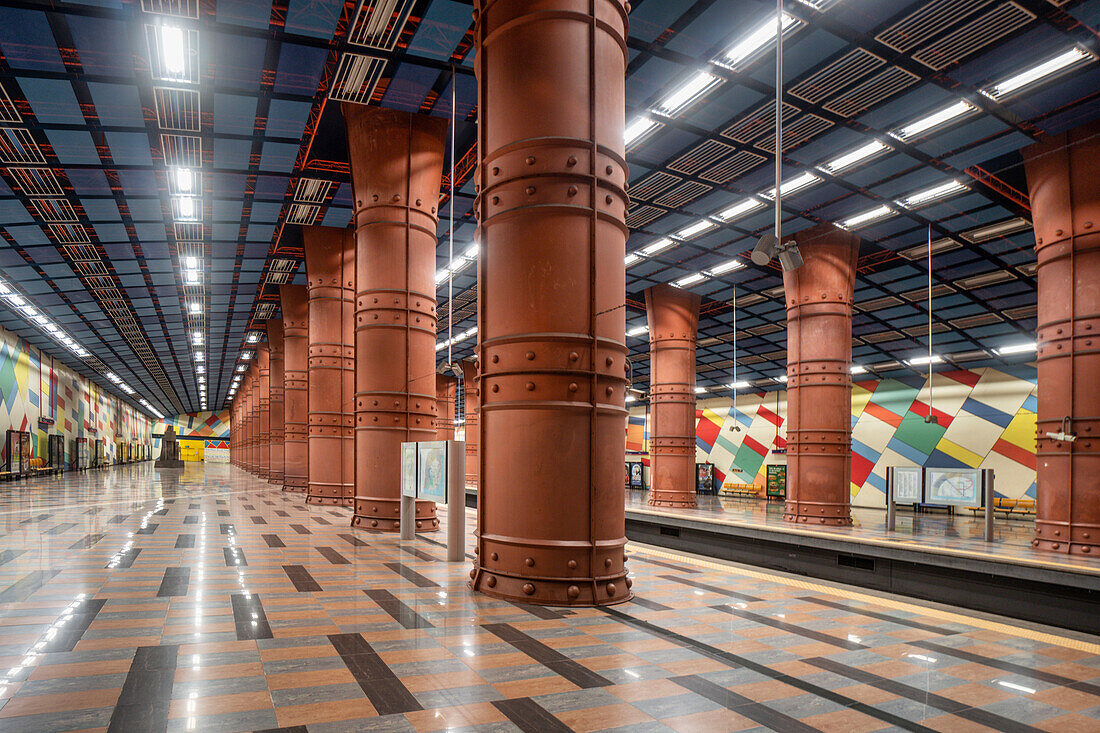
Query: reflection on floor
point(961, 531)
point(217, 603)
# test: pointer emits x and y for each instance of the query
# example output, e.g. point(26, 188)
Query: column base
point(322, 500)
point(384, 515)
point(574, 592)
point(817, 515)
point(672, 499)
point(295, 486)
point(1072, 539)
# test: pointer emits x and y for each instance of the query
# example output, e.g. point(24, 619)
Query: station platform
point(940, 557)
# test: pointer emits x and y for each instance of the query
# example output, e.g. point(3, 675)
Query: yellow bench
point(1010, 506)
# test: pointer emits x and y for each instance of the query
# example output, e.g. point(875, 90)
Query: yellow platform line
point(882, 542)
point(958, 618)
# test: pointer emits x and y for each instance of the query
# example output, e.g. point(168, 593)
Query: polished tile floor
point(214, 602)
point(962, 532)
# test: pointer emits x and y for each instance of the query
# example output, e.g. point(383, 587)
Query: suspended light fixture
point(771, 244)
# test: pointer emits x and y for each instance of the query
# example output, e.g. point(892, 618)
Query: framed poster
point(15, 453)
point(704, 478)
point(25, 449)
point(953, 486)
point(431, 471)
point(777, 482)
point(635, 475)
point(907, 484)
point(408, 469)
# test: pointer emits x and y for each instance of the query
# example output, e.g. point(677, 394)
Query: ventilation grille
point(177, 109)
point(1022, 313)
point(887, 301)
point(759, 122)
point(69, 233)
point(974, 36)
point(776, 292)
point(750, 300)
point(848, 69)
point(639, 216)
point(998, 229)
point(765, 329)
point(79, 254)
point(930, 19)
point(652, 185)
point(985, 280)
point(186, 232)
point(378, 24)
point(264, 311)
point(683, 194)
point(921, 330)
point(190, 73)
point(312, 190)
point(37, 181)
point(183, 151)
point(1028, 270)
point(733, 167)
point(176, 8)
point(878, 88)
point(302, 213)
point(55, 210)
point(8, 110)
point(356, 78)
point(882, 337)
point(19, 148)
point(982, 319)
point(922, 293)
point(802, 130)
point(702, 156)
point(920, 252)
point(280, 271)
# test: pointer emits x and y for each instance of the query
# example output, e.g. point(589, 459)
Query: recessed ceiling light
point(659, 246)
point(690, 280)
point(637, 331)
point(932, 194)
point(1016, 349)
point(687, 93)
point(866, 217)
point(696, 229)
point(739, 209)
point(754, 42)
point(795, 184)
point(863, 152)
point(173, 50)
point(638, 129)
point(1034, 74)
point(924, 360)
point(934, 120)
point(725, 267)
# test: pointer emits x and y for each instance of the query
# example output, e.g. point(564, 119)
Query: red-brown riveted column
point(295, 305)
point(254, 418)
point(551, 206)
point(819, 379)
point(673, 316)
point(470, 401)
point(330, 278)
point(246, 420)
point(445, 388)
point(396, 165)
point(276, 399)
point(1063, 177)
point(263, 445)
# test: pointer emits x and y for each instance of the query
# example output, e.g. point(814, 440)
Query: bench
point(1010, 506)
point(752, 491)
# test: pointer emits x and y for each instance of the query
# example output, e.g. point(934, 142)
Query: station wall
point(34, 386)
point(203, 436)
point(985, 418)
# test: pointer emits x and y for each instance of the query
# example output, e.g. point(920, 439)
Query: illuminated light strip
point(687, 94)
point(858, 155)
point(866, 217)
point(934, 120)
point(756, 41)
point(932, 194)
point(1026, 78)
point(936, 613)
point(637, 130)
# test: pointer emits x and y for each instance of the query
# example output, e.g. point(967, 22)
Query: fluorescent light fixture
point(637, 331)
point(754, 42)
point(739, 209)
point(638, 129)
point(190, 263)
point(441, 275)
point(997, 229)
point(690, 280)
point(737, 385)
point(687, 94)
point(29, 311)
point(924, 360)
point(659, 246)
point(866, 217)
point(16, 300)
point(191, 277)
point(200, 356)
point(696, 229)
point(852, 157)
point(782, 378)
point(931, 194)
point(934, 120)
point(1035, 73)
point(795, 184)
point(252, 337)
point(4, 289)
point(1016, 349)
point(857, 369)
point(631, 398)
point(185, 180)
point(186, 206)
point(242, 367)
point(725, 267)
point(700, 390)
point(174, 50)
point(200, 369)
point(247, 355)
point(196, 337)
point(194, 307)
point(631, 258)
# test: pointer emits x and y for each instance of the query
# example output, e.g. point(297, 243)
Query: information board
point(777, 481)
point(408, 469)
point(907, 484)
point(704, 478)
point(431, 471)
point(635, 475)
point(953, 486)
point(15, 453)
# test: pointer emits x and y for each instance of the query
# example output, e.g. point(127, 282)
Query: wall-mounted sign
point(953, 486)
point(907, 484)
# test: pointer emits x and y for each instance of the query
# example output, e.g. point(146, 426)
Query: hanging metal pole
point(778, 117)
point(451, 230)
point(931, 416)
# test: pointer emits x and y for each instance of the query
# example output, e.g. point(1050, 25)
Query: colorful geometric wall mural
point(985, 418)
point(34, 386)
point(211, 426)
